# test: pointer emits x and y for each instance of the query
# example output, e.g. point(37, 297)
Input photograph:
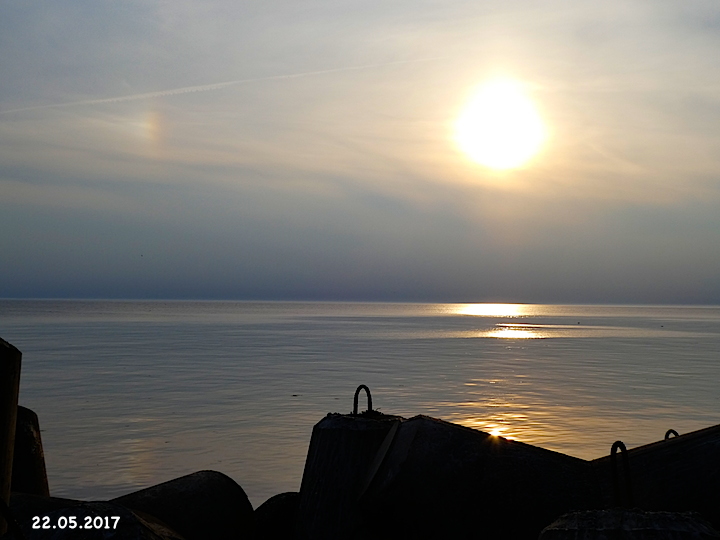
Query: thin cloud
point(211, 87)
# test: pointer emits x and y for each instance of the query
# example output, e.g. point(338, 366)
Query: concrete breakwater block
point(28, 468)
point(51, 518)
point(442, 480)
point(205, 505)
point(374, 476)
point(340, 457)
point(623, 524)
point(678, 474)
point(10, 362)
point(275, 518)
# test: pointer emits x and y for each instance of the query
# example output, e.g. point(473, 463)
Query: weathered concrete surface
point(204, 505)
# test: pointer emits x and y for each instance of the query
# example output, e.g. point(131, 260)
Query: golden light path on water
point(500, 417)
point(524, 401)
point(511, 404)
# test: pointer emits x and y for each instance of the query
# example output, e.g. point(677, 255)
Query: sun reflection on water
point(493, 426)
point(492, 310)
point(511, 332)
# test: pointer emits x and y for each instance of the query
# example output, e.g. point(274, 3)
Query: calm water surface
point(130, 394)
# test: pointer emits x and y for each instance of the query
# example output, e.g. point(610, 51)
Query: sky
point(306, 150)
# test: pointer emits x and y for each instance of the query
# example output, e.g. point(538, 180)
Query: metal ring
point(671, 432)
point(616, 481)
point(355, 399)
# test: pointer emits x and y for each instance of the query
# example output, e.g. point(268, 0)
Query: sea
point(134, 393)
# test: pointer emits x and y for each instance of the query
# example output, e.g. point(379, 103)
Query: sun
point(500, 127)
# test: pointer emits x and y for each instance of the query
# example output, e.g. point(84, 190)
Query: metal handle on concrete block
point(355, 399)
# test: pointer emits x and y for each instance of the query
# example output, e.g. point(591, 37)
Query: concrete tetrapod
point(275, 518)
point(205, 505)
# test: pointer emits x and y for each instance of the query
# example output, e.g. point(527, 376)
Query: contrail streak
point(210, 87)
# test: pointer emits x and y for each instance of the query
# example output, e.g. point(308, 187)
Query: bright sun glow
point(500, 127)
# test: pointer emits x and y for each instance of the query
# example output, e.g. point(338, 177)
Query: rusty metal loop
point(619, 445)
point(671, 432)
point(355, 399)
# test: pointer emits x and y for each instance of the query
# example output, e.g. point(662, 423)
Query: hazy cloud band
point(210, 87)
